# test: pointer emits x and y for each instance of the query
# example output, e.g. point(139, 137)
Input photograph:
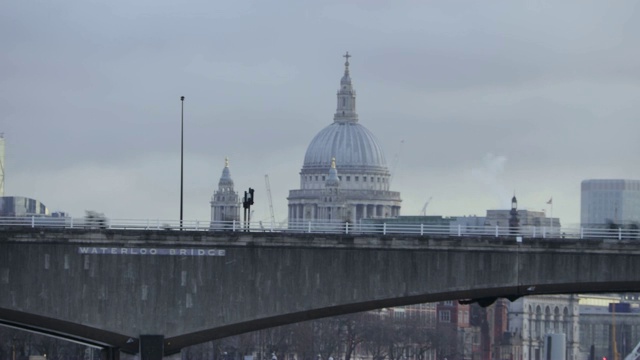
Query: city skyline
point(471, 102)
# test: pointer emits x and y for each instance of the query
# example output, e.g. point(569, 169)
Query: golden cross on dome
point(346, 56)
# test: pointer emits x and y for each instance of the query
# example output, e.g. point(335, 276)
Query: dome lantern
point(346, 109)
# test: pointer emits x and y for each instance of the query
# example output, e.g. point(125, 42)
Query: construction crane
point(423, 212)
point(273, 218)
point(635, 353)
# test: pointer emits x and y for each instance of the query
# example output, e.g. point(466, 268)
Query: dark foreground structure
point(157, 292)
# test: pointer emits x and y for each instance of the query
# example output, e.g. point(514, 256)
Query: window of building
point(323, 177)
point(316, 177)
point(364, 178)
point(444, 316)
point(448, 302)
point(357, 177)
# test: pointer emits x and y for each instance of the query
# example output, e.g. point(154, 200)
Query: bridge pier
point(110, 354)
point(151, 347)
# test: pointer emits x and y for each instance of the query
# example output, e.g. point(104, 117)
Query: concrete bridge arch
point(249, 281)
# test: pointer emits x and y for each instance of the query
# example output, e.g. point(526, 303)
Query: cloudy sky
point(471, 100)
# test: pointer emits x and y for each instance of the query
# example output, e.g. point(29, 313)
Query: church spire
point(346, 110)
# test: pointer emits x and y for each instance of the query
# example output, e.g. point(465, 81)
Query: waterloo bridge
point(155, 291)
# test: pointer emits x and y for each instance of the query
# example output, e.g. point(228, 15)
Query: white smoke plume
point(489, 174)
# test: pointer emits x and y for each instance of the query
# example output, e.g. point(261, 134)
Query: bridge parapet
point(613, 231)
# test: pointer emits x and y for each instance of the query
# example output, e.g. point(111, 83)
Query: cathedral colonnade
point(352, 213)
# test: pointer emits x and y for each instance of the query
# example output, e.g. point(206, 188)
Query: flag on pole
point(550, 201)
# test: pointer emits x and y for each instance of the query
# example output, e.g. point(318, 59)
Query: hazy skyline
point(476, 100)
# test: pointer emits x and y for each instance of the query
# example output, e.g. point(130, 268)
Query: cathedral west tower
point(225, 204)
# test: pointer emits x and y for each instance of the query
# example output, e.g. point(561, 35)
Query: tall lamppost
point(181, 155)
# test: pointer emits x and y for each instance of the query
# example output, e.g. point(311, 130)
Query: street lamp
point(181, 155)
point(246, 204)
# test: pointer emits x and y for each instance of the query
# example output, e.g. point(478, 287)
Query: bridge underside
point(483, 296)
point(111, 343)
point(108, 342)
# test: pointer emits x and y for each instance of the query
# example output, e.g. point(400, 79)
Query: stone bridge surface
point(113, 286)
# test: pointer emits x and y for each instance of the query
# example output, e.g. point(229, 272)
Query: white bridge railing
point(619, 233)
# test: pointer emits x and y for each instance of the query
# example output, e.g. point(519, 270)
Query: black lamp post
point(181, 156)
point(246, 204)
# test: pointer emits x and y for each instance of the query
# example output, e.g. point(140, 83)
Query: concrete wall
point(267, 279)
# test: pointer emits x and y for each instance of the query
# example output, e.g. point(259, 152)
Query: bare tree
point(351, 326)
point(381, 336)
point(303, 343)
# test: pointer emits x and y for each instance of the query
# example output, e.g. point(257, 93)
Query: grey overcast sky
point(471, 100)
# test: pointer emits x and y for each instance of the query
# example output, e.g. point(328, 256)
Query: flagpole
point(550, 203)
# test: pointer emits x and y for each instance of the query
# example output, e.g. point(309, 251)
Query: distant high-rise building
point(345, 175)
point(597, 313)
point(524, 222)
point(526, 218)
point(19, 206)
point(606, 201)
point(225, 205)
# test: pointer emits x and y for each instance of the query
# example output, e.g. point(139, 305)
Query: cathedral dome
point(351, 144)
point(344, 177)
